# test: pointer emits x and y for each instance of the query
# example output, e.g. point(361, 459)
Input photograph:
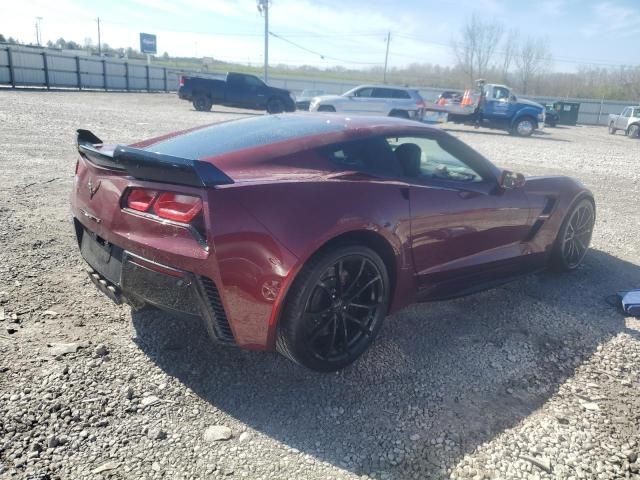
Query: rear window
point(240, 134)
point(382, 93)
point(371, 155)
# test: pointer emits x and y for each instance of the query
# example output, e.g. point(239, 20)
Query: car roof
point(393, 87)
point(304, 131)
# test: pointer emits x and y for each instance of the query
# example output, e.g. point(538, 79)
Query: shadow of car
point(462, 370)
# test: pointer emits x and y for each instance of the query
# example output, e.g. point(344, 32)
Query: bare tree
point(509, 51)
point(532, 59)
point(477, 46)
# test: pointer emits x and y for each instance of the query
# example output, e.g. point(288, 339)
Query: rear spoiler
point(146, 165)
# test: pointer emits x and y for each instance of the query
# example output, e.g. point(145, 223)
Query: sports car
point(301, 232)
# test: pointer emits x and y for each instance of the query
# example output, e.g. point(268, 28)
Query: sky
point(334, 32)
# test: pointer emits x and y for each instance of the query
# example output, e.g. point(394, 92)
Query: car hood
point(530, 103)
point(324, 98)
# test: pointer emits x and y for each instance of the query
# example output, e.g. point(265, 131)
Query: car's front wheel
point(335, 308)
point(275, 105)
point(574, 236)
point(634, 131)
point(524, 127)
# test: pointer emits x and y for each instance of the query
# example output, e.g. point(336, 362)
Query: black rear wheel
point(574, 237)
point(202, 103)
point(334, 309)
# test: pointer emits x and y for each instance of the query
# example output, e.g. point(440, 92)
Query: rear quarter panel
point(303, 216)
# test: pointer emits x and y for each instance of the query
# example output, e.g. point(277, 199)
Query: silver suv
point(373, 100)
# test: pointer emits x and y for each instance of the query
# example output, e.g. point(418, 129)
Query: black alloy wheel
point(575, 236)
point(333, 314)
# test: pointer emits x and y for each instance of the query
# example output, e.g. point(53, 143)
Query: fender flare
point(279, 301)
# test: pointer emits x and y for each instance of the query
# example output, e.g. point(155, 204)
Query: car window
point(363, 92)
point(500, 93)
point(382, 93)
point(401, 94)
point(626, 112)
point(253, 81)
point(371, 155)
point(436, 160)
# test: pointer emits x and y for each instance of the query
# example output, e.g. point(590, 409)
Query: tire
point(612, 129)
point(325, 324)
point(552, 123)
point(399, 114)
point(633, 131)
point(524, 127)
point(568, 254)
point(275, 105)
point(202, 102)
point(326, 108)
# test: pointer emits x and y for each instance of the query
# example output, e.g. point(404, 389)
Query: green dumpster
point(567, 112)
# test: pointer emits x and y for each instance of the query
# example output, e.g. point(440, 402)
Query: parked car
point(551, 116)
point(493, 106)
point(373, 100)
point(237, 90)
point(300, 233)
point(304, 99)
point(628, 121)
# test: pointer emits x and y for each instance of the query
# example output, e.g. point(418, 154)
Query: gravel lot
point(538, 379)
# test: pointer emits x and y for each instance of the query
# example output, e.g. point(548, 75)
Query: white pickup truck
point(628, 121)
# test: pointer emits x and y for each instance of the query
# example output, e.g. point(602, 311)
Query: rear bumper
point(125, 277)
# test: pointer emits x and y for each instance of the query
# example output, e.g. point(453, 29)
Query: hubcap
point(525, 127)
point(578, 235)
point(341, 311)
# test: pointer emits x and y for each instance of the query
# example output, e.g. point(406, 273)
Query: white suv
point(373, 100)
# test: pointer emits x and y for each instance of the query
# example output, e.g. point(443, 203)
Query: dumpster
point(567, 112)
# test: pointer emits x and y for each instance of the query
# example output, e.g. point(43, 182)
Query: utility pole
point(38, 31)
point(386, 57)
point(99, 44)
point(263, 8)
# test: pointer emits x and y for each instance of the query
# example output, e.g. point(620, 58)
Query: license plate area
point(103, 256)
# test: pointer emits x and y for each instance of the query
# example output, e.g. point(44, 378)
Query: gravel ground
point(538, 379)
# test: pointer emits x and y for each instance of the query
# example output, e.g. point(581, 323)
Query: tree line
point(482, 49)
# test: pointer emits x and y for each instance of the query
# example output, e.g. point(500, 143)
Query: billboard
point(148, 43)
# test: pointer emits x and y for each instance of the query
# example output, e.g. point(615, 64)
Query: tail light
point(178, 207)
point(420, 104)
point(181, 81)
point(141, 199)
point(170, 205)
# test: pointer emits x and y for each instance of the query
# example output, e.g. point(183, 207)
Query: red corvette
point(301, 232)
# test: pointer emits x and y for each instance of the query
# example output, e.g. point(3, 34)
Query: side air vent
point(221, 325)
point(534, 230)
point(550, 202)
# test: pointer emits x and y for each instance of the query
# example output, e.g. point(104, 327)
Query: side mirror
point(510, 180)
point(513, 98)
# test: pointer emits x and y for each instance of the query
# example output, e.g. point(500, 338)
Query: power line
point(322, 56)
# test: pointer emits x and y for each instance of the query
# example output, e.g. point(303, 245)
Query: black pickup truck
point(237, 90)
